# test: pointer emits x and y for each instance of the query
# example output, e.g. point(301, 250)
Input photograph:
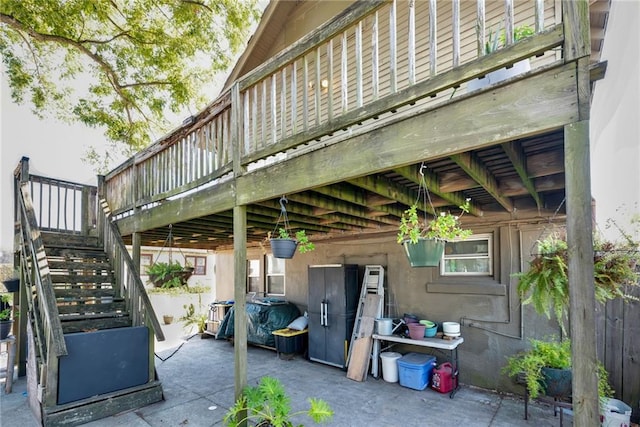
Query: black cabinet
point(332, 306)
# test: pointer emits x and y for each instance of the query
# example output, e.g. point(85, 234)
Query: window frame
point(268, 274)
point(192, 260)
point(489, 237)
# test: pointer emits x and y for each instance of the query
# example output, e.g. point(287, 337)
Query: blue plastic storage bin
point(415, 370)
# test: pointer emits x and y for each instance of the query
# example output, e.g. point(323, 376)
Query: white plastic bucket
point(390, 366)
point(385, 326)
point(615, 413)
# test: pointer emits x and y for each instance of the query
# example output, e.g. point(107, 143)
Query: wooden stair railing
point(42, 311)
point(127, 275)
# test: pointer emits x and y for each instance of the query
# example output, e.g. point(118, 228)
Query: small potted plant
point(268, 405)
point(546, 369)
point(10, 279)
point(424, 241)
point(193, 318)
point(5, 316)
point(169, 274)
point(282, 244)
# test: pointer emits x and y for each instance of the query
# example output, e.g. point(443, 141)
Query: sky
point(54, 149)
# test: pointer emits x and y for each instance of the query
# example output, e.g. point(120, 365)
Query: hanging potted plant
point(10, 279)
point(546, 286)
point(169, 274)
point(423, 240)
point(283, 245)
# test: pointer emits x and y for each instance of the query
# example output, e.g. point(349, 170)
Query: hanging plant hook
point(282, 218)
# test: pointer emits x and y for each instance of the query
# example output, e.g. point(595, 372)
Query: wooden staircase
point(89, 302)
point(87, 327)
point(84, 285)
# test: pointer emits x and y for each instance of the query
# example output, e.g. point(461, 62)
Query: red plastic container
point(443, 379)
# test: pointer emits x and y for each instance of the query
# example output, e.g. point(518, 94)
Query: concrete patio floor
point(198, 381)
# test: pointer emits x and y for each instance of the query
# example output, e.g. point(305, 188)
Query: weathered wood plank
point(580, 271)
point(102, 406)
point(575, 17)
point(83, 293)
point(101, 323)
point(476, 169)
point(82, 278)
point(92, 308)
point(239, 293)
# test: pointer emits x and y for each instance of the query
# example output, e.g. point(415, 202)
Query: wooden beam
point(582, 301)
point(478, 171)
point(388, 189)
point(332, 220)
point(575, 18)
point(339, 206)
point(432, 182)
point(516, 156)
point(218, 198)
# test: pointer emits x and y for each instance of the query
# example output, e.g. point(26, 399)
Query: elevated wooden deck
point(342, 120)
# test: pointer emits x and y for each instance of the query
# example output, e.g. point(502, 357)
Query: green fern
point(546, 285)
point(268, 403)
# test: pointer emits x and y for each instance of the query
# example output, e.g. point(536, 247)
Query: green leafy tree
point(141, 59)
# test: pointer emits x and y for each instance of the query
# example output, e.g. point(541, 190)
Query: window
point(145, 262)
point(254, 276)
point(469, 257)
point(275, 276)
point(199, 264)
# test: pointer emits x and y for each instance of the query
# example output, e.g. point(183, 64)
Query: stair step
point(82, 278)
point(75, 253)
point(85, 293)
point(94, 323)
point(104, 405)
point(52, 239)
point(69, 265)
point(91, 306)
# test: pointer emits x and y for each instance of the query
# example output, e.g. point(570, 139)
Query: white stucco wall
point(615, 119)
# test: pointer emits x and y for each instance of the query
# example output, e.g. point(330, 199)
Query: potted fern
point(268, 405)
point(545, 368)
point(169, 274)
point(424, 241)
point(545, 284)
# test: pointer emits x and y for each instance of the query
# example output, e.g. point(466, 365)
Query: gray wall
point(488, 309)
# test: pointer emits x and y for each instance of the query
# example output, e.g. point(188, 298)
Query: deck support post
point(239, 252)
point(582, 303)
point(239, 294)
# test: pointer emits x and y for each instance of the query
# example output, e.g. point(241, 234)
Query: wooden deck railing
point(373, 59)
point(63, 206)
